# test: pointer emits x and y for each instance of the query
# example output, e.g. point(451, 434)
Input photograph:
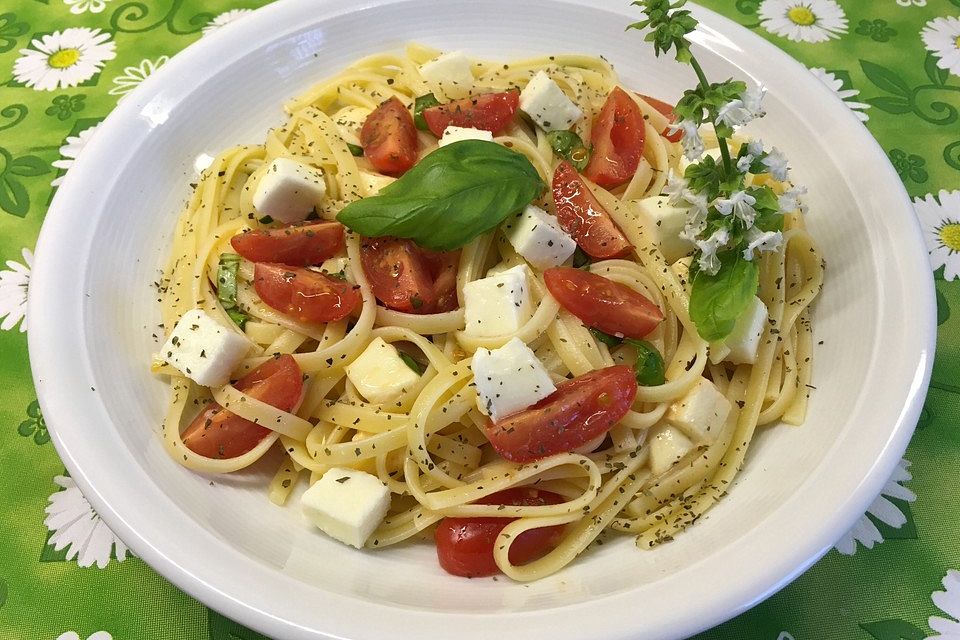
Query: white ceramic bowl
point(92, 313)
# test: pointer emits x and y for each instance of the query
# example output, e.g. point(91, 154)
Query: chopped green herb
point(423, 102)
point(343, 479)
point(227, 287)
point(569, 146)
point(413, 364)
point(355, 149)
point(265, 220)
point(606, 338)
point(580, 259)
point(649, 367)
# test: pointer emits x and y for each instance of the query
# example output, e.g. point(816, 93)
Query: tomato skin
point(408, 278)
point(618, 137)
point(667, 110)
point(577, 412)
point(489, 111)
point(305, 295)
point(580, 215)
point(219, 433)
point(465, 545)
point(297, 245)
point(389, 138)
point(603, 304)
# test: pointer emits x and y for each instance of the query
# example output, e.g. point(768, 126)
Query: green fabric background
point(884, 592)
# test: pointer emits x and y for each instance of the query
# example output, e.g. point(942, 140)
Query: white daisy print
point(864, 531)
point(847, 95)
point(14, 282)
point(803, 20)
point(70, 150)
point(940, 223)
point(224, 19)
point(64, 59)
point(73, 635)
point(942, 38)
point(82, 6)
point(131, 77)
point(948, 601)
point(75, 525)
point(914, 3)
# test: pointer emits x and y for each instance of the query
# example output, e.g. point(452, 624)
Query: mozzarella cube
point(346, 504)
point(498, 305)
point(379, 374)
point(509, 379)
point(537, 236)
point(349, 121)
point(454, 133)
point(741, 346)
point(451, 72)
point(684, 163)
point(289, 190)
point(664, 222)
point(373, 182)
point(337, 267)
point(666, 447)
point(701, 412)
point(544, 101)
point(204, 350)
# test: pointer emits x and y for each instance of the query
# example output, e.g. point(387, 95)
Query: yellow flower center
point(802, 16)
point(64, 58)
point(950, 236)
point(957, 42)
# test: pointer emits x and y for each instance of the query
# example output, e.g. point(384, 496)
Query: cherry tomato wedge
point(465, 545)
point(220, 433)
point(305, 295)
point(297, 245)
point(408, 278)
point(667, 111)
point(577, 412)
point(489, 111)
point(618, 137)
point(580, 215)
point(603, 304)
point(389, 138)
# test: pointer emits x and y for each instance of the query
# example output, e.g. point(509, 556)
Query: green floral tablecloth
point(64, 64)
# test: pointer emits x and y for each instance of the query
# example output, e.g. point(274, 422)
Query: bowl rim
point(62, 397)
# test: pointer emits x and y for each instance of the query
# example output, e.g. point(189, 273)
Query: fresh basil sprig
point(570, 147)
point(453, 195)
point(227, 287)
point(716, 301)
point(423, 102)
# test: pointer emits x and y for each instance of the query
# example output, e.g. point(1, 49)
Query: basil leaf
point(227, 287)
point(453, 195)
point(355, 149)
point(606, 338)
point(649, 368)
point(239, 317)
point(569, 146)
point(423, 102)
point(717, 301)
point(410, 362)
point(580, 259)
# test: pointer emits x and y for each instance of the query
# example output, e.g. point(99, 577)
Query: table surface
point(64, 575)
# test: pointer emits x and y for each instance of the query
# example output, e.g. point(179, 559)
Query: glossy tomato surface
point(603, 304)
point(618, 137)
point(305, 295)
point(577, 412)
point(489, 111)
point(409, 278)
point(465, 545)
point(580, 215)
point(389, 138)
point(219, 433)
point(299, 245)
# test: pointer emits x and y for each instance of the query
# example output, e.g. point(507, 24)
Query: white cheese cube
point(509, 379)
point(666, 447)
point(204, 350)
point(701, 412)
point(451, 72)
point(544, 101)
point(500, 267)
point(537, 236)
point(289, 190)
point(684, 163)
point(498, 305)
point(454, 133)
point(741, 346)
point(664, 222)
point(373, 182)
point(346, 504)
point(349, 121)
point(337, 267)
point(379, 374)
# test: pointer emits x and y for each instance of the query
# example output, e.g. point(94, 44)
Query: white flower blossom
point(947, 601)
point(14, 282)
point(733, 113)
point(692, 142)
point(80, 6)
point(941, 36)
point(864, 530)
point(132, 76)
point(848, 96)
point(790, 200)
point(776, 164)
point(753, 100)
point(224, 19)
point(70, 151)
point(761, 241)
point(676, 188)
point(940, 222)
point(740, 204)
point(73, 635)
point(755, 147)
point(698, 202)
point(743, 164)
point(803, 20)
point(708, 261)
point(78, 528)
point(64, 59)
